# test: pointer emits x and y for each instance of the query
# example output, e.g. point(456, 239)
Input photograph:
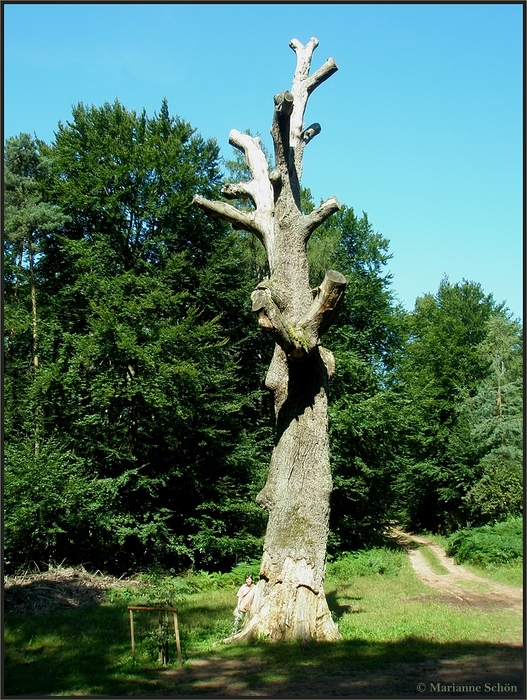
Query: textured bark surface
point(290, 602)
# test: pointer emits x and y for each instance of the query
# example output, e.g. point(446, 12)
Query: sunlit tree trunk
point(290, 602)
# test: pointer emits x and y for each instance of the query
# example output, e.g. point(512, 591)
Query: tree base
point(282, 611)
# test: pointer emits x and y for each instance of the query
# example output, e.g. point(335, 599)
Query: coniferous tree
point(28, 220)
point(490, 434)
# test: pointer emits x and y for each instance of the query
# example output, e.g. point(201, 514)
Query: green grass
point(402, 607)
point(511, 575)
point(81, 651)
point(434, 562)
point(384, 612)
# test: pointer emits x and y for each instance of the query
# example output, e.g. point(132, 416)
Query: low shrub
point(204, 581)
point(489, 545)
point(364, 562)
point(165, 589)
point(152, 590)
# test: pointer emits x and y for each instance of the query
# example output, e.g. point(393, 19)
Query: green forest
point(137, 428)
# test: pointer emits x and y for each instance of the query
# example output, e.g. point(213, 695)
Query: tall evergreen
point(489, 436)
point(28, 220)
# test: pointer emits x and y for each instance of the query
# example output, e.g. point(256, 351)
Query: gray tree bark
point(290, 602)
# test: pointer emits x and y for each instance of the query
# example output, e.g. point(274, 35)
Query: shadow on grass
point(412, 667)
point(87, 652)
point(338, 608)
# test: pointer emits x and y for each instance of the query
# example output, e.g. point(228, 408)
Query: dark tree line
point(137, 429)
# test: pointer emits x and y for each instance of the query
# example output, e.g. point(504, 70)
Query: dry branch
point(57, 589)
point(312, 221)
point(239, 219)
point(303, 86)
point(259, 189)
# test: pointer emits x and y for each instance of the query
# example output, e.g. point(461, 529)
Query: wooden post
point(178, 643)
point(161, 647)
point(132, 632)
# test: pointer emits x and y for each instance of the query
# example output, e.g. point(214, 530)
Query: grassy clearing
point(394, 610)
point(385, 615)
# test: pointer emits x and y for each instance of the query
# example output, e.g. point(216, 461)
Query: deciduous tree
point(146, 381)
point(442, 365)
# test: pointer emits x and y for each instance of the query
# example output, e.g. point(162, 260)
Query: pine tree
point(494, 416)
point(28, 219)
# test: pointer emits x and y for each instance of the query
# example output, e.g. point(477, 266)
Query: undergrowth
point(488, 546)
point(164, 589)
point(379, 560)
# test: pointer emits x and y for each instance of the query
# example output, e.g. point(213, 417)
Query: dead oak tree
point(290, 602)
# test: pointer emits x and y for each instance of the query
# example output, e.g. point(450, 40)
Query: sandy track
point(459, 584)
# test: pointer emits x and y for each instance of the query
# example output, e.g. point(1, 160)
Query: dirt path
point(460, 585)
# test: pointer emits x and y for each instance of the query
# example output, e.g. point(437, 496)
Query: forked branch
point(259, 189)
point(276, 194)
point(303, 86)
point(301, 339)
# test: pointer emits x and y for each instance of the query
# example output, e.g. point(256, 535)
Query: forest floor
point(456, 669)
point(497, 672)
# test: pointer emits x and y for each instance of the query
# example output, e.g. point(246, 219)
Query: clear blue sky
point(421, 126)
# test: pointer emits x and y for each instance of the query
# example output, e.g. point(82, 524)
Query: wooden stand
point(163, 654)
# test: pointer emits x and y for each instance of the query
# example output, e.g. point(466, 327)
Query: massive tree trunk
point(290, 602)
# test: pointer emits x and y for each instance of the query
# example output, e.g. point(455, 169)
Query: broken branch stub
point(325, 305)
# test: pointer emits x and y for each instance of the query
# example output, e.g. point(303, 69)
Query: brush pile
point(57, 589)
